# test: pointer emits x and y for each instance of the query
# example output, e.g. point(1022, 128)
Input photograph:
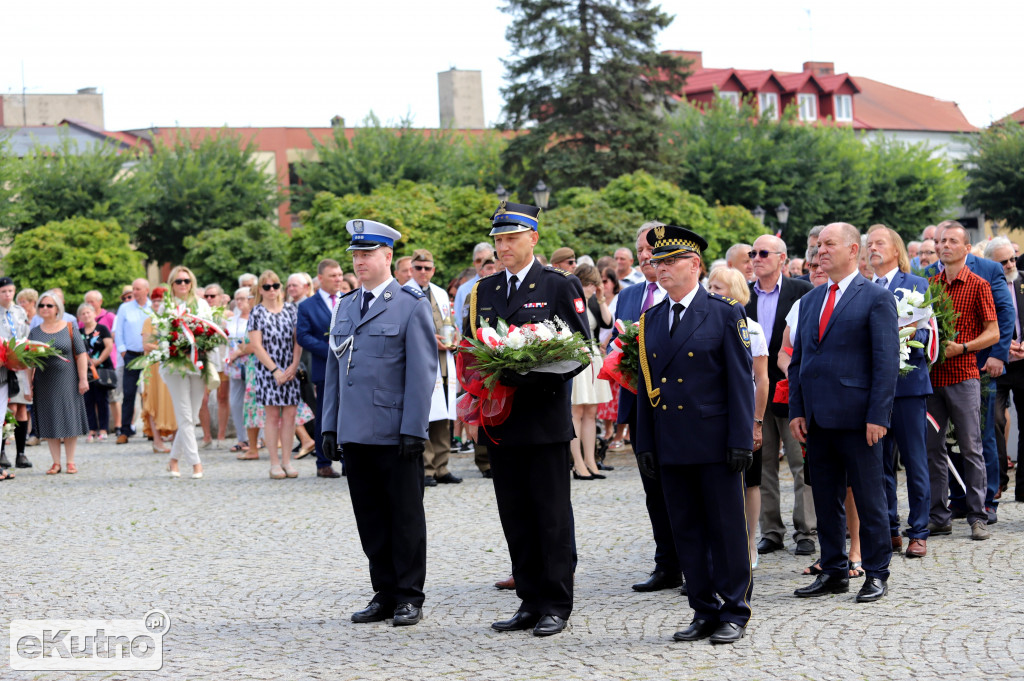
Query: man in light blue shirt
point(482, 252)
point(131, 316)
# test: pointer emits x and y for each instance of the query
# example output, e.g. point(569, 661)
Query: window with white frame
point(733, 97)
point(808, 107)
point(844, 107)
point(768, 102)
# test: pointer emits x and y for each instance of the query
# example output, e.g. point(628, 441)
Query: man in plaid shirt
point(956, 385)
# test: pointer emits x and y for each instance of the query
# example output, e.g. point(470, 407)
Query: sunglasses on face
point(46, 305)
point(1008, 260)
point(764, 254)
point(813, 266)
point(271, 287)
point(423, 268)
point(126, 297)
point(182, 281)
point(210, 295)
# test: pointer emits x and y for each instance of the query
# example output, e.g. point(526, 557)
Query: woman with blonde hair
point(186, 388)
point(730, 283)
point(272, 336)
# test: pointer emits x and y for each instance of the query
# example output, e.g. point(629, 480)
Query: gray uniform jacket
point(381, 369)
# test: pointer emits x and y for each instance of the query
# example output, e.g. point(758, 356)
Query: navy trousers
point(908, 433)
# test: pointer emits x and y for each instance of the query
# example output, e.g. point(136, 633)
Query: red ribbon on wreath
point(480, 406)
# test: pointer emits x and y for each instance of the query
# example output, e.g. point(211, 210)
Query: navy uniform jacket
point(918, 382)
point(379, 387)
point(313, 323)
point(541, 413)
point(704, 375)
point(849, 378)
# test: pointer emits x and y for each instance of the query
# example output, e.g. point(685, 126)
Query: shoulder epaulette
point(724, 299)
point(552, 268)
point(493, 274)
point(415, 292)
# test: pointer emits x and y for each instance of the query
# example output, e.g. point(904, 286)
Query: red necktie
point(826, 314)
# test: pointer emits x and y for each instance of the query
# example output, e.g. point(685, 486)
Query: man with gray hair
point(738, 258)
point(128, 338)
point(247, 280)
point(482, 252)
point(771, 298)
point(624, 270)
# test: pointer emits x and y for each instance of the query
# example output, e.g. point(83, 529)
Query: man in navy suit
point(314, 321)
point(890, 263)
point(842, 382)
point(695, 409)
point(992, 364)
point(632, 302)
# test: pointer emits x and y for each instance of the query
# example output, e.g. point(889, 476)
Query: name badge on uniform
point(534, 305)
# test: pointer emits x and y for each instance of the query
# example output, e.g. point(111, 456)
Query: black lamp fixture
point(541, 195)
point(782, 214)
point(501, 192)
point(758, 213)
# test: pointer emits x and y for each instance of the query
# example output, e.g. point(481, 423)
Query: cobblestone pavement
point(259, 578)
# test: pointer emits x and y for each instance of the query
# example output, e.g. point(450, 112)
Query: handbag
point(103, 377)
point(13, 387)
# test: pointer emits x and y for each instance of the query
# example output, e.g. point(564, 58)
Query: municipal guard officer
point(529, 452)
point(380, 375)
point(695, 404)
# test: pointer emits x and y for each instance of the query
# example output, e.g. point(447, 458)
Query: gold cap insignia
point(659, 233)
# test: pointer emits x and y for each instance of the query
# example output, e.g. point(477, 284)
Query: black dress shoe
point(428, 481)
point(805, 547)
point(487, 474)
point(873, 589)
point(727, 632)
point(697, 630)
point(549, 625)
point(4, 461)
point(601, 466)
point(449, 479)
point(374, 612)
point(520, 621)
point(21, 461)
point(768, 546)
point(824, 585)
point(659, 580)
point(407, 614)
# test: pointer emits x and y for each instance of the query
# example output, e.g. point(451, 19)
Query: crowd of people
point(280, 388)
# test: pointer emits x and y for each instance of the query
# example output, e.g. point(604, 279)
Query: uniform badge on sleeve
point(578, 302)
point(741, 328)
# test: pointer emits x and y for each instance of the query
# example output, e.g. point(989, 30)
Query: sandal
point(6, 475)
point(239, 447)
point(856, 570)
point(71, 469)
point(290, 471)
point(277, 473)
point(54, 469)
point(248, 456)
point(814, 568)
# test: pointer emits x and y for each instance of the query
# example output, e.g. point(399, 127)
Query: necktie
point(826, 314)
point(334, 299)
point(677, 314)
point(513, 286)
point(649, 298)
point(882, 281)
point(367, 297)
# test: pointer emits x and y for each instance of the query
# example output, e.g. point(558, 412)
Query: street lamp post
point(782, 213)
point(541, 195)
point(758, 213)
point(501, 192)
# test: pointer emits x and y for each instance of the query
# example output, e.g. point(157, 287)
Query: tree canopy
point(220, 255)
point(995, 173)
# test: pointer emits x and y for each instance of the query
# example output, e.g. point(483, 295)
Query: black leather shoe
point(768, 546)
point(520, 621)
point(449, 479)
point(601, 466)
point(727, 632)
point(873, 589)
point(659, 580)
point(374, 612)
point(805, 547)
point(549, 625)
point(487, 474)
point(407, 614)
point(428, 481)
point(21, 461)
point(4, 462)
point(697, 630)
point(824, 585)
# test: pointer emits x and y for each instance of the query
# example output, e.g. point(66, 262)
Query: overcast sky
point(298, 63)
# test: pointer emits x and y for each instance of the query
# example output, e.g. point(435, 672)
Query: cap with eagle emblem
point(514, 217)
point(670, 240)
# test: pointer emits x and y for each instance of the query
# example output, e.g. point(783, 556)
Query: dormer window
point(768, 102)
point(808, 107)
point(732, 97)
point(844, 108)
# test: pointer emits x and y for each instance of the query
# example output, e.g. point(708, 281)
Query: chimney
point(820, 68)
point(695, 57)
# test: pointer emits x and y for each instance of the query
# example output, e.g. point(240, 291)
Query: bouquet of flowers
point(622, 364)
point(18, 355)
point(184, 342)
point(547, 347)
point(932, 310)
point(10, 423)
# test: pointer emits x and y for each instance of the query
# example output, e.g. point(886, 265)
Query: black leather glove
point(648, 464)
point(410, 447)
point(329, 442)
point(514, 379)
point(738, 460)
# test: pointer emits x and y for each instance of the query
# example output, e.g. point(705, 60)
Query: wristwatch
point(964, 346)
point(759, 421)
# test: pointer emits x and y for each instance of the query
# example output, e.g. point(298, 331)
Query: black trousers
point(531, 484)
point(387, 499)
point(1010, 382)
point(665, 557)
point(130, 388)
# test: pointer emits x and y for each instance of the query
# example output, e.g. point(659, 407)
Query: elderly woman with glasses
point(59, 385)
point(186, 388)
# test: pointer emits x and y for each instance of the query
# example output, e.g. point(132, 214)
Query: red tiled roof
point(881, 106)
point(1017, 115)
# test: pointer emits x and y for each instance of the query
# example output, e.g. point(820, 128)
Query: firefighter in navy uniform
point(529, 452)
point(695, 417)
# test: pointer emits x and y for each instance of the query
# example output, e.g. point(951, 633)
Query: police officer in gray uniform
point(380, 375)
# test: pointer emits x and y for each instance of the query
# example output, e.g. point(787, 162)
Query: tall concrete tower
point(461, 98)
